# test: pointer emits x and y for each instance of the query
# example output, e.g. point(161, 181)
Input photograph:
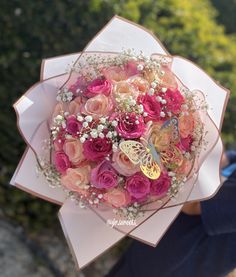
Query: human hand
point(193, 208)
point(224, 161)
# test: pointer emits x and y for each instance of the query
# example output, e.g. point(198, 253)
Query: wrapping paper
point(87, 234)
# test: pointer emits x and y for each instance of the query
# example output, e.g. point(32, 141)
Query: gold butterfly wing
point(149, 167)
point(139, 154)
point(134, 150)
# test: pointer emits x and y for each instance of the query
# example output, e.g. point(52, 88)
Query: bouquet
point(121, 136)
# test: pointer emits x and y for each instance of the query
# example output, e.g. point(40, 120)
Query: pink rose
point(130, 68)
point(174, 100)
point(138, 186)
point(73, 148)
point(130, 125)
point(61, 162)
point(104, 176)
point(151, 106)
point(73, 126)
point(114, 73)
point(160, 186)
point(76, 179)
point(118, 73)
point(97, 106)
point(97, 148)
point(123, 164)
point(98, 86)
point(117, 197)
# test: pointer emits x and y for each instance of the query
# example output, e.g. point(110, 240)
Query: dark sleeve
point(219, 213)
point(231, 155)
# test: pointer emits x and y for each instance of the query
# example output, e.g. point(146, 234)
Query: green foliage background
point(33, 30)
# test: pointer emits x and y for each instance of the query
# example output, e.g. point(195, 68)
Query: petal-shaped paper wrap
point(86, 232)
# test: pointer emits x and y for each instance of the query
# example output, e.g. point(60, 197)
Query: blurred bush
point(226, 15)
point(33, 30)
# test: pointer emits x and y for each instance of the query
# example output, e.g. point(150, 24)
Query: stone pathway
point(16, 257)
point(45, 255)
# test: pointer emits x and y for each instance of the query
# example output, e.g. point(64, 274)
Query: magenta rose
point(160, 186)
point(130, 126)
point(104, 176)
point(97, 148)
point(151, 106)
point(73, 125)
point(185, 143)
point(61, 162)
point(79, 85)
point(98, 86)
point(174, 100)
point(138, 186)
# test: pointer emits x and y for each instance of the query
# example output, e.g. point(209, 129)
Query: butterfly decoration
point(150, 156)
point(146, 156)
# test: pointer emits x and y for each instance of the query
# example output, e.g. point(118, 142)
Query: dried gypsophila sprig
point(64, 95)
point(130, 212)
point(91, 64)
point(50, 173)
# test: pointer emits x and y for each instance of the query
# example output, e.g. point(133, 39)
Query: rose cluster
point(133, 100)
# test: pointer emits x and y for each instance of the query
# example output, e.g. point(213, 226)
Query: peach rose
point(123, 165)
point(58, 110)
point(76, 179)
point(151, 74)
point(124, 89)
point(97, 106)
point(73, 148)
point(172, 157)
point(168, 80)
point(75, 105)
point(140, 84)
point(186, 125)
point(185, 167)
point(117, 197)
point(161, 140)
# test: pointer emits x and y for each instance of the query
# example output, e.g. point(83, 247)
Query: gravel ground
point(47, 254)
